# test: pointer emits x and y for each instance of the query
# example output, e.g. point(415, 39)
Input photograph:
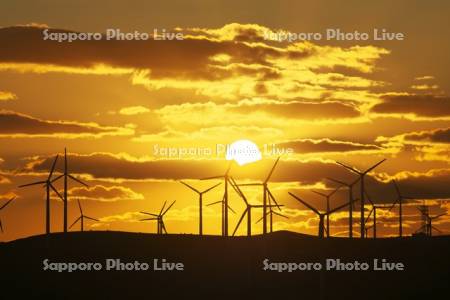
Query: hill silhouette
point(218, 268)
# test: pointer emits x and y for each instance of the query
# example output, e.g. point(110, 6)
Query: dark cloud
point(106, 165)
point(435, 136)
point(188, 58)
point(431, 185)
point(302, 109)
point(325, 145)
point(13, 123)
point(420, 105)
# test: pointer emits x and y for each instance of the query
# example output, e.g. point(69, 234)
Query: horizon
point(138, 116)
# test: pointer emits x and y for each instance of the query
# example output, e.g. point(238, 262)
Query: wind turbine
point(247, 211)
point(223, 216)
point(225, 206)
point(2, 207)
point(271, 212)
point(266, 194)
point(350, 200)
point(48, 185)
point(66, 176)
point(399, 200)
point(321, 215)
point(200, 203)
point(374, 211)
point(161, 228)
point(367, 228)
point(428, 227)
point(327, 197)
point(81, 218)
point(361, 177)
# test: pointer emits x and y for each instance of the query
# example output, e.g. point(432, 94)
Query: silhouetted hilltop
point(216, 267)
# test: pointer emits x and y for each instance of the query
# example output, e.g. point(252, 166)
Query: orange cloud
point(105, 193)
point(5, 96)
point(17, 125)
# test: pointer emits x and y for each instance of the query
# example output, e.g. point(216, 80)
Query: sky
point(139, 116)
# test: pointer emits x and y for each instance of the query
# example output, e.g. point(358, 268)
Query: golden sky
point(112, 103)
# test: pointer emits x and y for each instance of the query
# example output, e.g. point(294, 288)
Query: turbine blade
point(79, 206)
point(77, 180)
point(432, 218)
point(319, 193)
point(326, 230)
point(368, 217)
point(238, 190)
point(169, 208)
point(232, 210)
point(214, 186)
point(273, 198)
point(333, 192)
point(229, 168)
point(251, 184)
point(189, 186)
point(57, 178)
point(349, 168)
point(212, 177)
point(305, 204)
point(150, 214)
point(271, 170)
point(396, 188)
point(421, 228)
point(419, 209)
point(56, 191)
point(34, 183)
point(162, 208)
point(75, 222)
point(53, 167)
point(337, 181)
point(393, 205)
point(368, 197)
point(93, 219)
point(220, 201)
point(149, 219)
point(259, 220)
point(240, 220)
point(9, 201)
point(374, 166)
point(343, 205)
point(436, 229)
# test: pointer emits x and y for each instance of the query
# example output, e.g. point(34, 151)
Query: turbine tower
point(247, 211)
point(361, 177)
point(322, 228)
point(272, 212)
point(428, 227)
point(374, 212)
point(81, 218)
point(200, 203)
point(225, 206)
point(48, 185)
point(222, 202)
point(2, 207)
point(327, 198)
point(266, 194)
point(66, 176)
point(350, 200)
point(399, 200)
point(160, 227)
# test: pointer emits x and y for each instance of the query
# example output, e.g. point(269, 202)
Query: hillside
point(217, 267)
